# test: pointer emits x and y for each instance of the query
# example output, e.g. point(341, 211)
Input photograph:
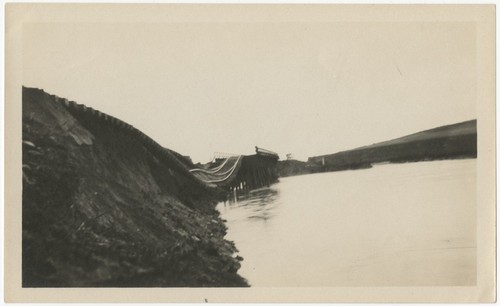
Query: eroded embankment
point(105, 206)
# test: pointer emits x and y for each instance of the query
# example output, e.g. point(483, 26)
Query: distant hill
point(443, 132)
point(447, 142)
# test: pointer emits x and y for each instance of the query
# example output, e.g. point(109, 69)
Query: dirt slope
point(102, 208)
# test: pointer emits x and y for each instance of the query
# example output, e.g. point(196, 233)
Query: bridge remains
point(240, 172)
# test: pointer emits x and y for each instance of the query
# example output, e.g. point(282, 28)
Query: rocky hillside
point(105, 205)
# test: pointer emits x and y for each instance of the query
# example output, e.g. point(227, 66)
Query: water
point(392, 225)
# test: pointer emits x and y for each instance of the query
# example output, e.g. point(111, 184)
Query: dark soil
point(101, 209)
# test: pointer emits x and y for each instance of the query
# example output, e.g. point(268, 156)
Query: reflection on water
point(391, 225)
point(258, 204)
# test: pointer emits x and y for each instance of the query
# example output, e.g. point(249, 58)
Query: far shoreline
point(455, 141)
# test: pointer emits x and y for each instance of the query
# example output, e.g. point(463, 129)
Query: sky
point(305, 88)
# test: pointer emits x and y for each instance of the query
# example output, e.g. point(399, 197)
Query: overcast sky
point(301, 88)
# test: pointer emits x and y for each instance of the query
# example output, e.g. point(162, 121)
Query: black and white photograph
point(255, 147)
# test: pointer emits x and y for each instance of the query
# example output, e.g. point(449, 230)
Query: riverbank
point(455, 141)
point(103, 208)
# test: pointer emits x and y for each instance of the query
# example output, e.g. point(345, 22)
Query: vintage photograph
point(250, 153)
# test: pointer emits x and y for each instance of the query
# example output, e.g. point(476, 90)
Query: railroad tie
point(72, 105)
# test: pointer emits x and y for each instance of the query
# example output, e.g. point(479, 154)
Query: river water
point(392, 225)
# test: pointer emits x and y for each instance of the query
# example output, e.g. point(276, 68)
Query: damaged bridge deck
point(241, 172)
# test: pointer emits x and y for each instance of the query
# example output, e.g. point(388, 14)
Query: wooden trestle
point(242, 172)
